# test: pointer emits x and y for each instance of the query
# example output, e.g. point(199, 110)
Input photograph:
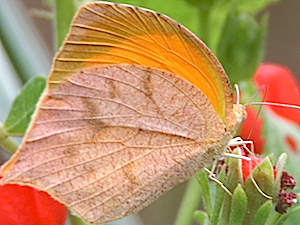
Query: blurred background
point(19, 23)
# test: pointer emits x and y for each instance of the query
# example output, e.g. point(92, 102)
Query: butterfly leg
point(212, 176)
point(238, 141)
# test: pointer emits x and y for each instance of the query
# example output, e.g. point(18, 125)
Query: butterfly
point(135, 104)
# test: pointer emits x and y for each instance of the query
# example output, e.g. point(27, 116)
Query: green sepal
point(262, 213)
point(263, 175)
point(238, 206)
point(279, 168)
point(234, 177)
point(273, 218)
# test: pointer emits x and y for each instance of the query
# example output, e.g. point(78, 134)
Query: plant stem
point(7, 143)
point(189, 203)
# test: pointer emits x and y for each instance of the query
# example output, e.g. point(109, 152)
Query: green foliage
point(247, 205)
point(201, 177)
point(276, 128)
point(201, 217)
point(233, 178)
point(23, 106)
point(253, 6)
point(65, 11)
point(238, 206)
point(264, 178)
point(219, 198)
point(241, 47)
point(286, 216)
point(262, 213)
point(279, 169)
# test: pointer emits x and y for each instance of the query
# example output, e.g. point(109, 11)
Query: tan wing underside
point(106, 33)
point(108, 141)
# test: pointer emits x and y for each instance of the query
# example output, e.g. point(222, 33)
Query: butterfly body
point(117, 126)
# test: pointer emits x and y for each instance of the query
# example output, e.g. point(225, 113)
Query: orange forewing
point(112, 34)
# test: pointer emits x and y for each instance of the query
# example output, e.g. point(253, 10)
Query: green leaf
point(213, 24)
point(219, 197)
point(273, 218)
point(293, 218)
point(240, 49)
point(264, 178)
point(23, 106)
point(234, 177)
point(202, 179)
point(283, 218)
point(262, 213)
point(238, 206)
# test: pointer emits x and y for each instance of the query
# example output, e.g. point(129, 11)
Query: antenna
point(274, 104)
point(237, 93)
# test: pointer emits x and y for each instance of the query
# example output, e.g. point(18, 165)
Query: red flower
point(246, 166)
point(256, 135)
point(282, 87)
point(284, 199)
point(27, 206)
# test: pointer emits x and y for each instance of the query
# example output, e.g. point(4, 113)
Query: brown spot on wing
point(146, 82)
point(92, 113)
point(128, 171)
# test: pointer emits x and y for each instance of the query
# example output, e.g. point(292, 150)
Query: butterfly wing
point(107, 33)
point(107, 141)
point(135, 104)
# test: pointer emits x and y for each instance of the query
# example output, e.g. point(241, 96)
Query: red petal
point(246, 166)
point(28, 206)
point(256, 135)
point(282, 87)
